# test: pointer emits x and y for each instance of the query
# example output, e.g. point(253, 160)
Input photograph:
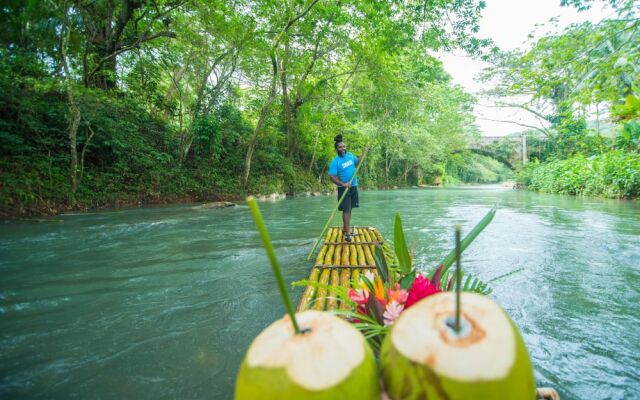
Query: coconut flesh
point(329, 360)
point(424, 357)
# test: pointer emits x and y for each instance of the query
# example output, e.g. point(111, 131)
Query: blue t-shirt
point(344, 168)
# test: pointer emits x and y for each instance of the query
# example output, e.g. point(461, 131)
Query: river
point(162, 303)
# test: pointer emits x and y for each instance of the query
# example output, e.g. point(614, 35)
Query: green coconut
point(424, 358)
point(329, 360)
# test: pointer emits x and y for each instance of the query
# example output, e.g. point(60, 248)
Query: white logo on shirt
point(347, 164)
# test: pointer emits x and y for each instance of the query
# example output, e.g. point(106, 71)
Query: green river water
point(162, 303)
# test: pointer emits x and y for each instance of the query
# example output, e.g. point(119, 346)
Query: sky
point(509, 23)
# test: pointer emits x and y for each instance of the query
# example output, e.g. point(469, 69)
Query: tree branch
point(126, 48)
point(293, 21)
point(543, 130)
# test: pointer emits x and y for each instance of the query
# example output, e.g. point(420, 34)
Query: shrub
point(612, 174)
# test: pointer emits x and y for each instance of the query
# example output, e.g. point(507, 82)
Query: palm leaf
point(400, 245)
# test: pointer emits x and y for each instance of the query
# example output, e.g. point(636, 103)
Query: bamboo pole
point(378, 235)
point(361, 259)
point(310, 291)
point(332, 299)
point(328, 258)
point(333, 213)
point(346, 259)
point(353, 255)
point(369, 238)
point(365, 235)
point(321, 297)
point(355, 278)
point(345, 275)
point(367, 250)
point(321, 254)
point(334, 279)
point(337, 255)
point(323, 249)
point(458, 279)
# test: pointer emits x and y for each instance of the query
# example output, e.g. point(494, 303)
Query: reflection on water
point(163, 302)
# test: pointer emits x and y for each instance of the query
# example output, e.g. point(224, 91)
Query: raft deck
point(338, 264)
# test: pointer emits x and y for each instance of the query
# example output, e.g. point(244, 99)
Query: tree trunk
point(74, 120)
point(405, 174)
point(186, 145)
point(84, 150)
point(198, 109)
point(105, 76)
point(315, 144)
point(386, 167)
point(287, 107)
point(261, 120)
point(105, 40)
point(175, 81)
point(419, 175)
point(248, 158)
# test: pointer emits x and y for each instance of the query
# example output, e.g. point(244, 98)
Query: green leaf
point(381, 264)
point(368, 283)
point(450, 258)
point(407, 280)
point(400, 245)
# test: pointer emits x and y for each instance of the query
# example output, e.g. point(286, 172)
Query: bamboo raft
point(340, 263)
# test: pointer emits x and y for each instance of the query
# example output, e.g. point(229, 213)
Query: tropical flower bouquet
point(379, 298)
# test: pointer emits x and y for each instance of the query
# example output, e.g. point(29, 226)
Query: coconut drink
point(424, 356)
point(329, 359)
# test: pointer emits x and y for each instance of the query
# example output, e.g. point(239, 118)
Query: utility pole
point(525, 159)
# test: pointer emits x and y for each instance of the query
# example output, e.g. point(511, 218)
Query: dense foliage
point(124, 101)
point(612, 174)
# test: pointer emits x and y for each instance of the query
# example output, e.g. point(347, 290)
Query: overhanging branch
point(543, 130)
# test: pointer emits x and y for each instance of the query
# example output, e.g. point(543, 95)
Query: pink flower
point(421, 288)
point(359, 296)
point(398, 295)
point(392, 312)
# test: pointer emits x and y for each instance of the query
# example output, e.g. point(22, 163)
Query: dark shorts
point(350, 200)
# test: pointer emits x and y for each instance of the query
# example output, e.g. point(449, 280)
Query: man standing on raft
point(341, 171)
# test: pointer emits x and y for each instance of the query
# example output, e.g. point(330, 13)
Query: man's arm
point(338, 182)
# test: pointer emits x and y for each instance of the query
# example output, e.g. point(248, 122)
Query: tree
point(113, 27)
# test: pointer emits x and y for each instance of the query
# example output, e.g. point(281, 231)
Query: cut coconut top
point(320, 358)
point(486, 350)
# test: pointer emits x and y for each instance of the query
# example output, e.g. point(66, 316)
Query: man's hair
point(337, 139)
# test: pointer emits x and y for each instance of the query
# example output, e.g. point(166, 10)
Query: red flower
point(420, 288)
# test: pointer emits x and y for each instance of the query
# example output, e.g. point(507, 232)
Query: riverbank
point(45, 210)
point(42, 210)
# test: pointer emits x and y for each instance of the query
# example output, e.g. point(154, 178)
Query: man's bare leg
point(346, 219)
